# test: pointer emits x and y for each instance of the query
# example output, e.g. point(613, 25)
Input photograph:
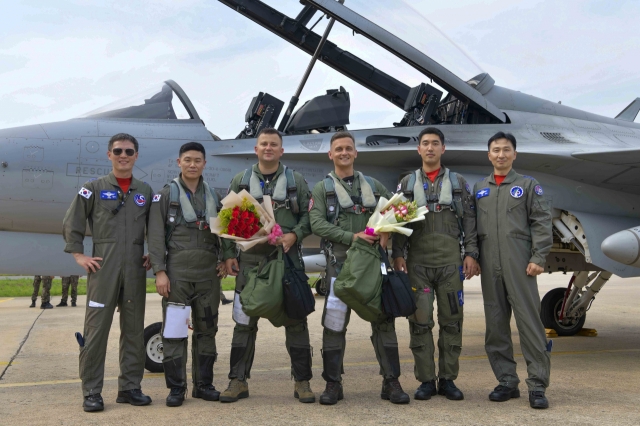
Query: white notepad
point(176, 324)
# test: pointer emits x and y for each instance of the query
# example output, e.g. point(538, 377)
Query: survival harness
point(338, 197)
point(450, 196)
point(182, 212)
point(285, 194)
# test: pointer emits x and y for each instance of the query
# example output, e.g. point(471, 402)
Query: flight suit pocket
point(482, 220)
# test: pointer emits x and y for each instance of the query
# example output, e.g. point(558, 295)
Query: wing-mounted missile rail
point(322, 114)
point(420, 106)
point(263, 112)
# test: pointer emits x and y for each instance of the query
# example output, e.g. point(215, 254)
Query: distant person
point(66, 282)
point(116, 207)
point(46, 290)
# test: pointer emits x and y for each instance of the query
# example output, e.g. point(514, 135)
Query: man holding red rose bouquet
point(290, 199)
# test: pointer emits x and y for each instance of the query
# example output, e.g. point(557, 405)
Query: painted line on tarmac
point(6, 300)
point(350, 364)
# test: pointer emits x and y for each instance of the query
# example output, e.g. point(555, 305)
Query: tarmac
point(594, 380)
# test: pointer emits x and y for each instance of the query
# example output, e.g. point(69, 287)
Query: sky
point(62, 59)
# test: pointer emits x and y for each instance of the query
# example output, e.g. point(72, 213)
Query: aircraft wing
point(622, 157)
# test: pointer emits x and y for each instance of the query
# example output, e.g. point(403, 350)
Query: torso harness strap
point(285, 194)
point(338, 197)
point(181, 212)
point(450, 196)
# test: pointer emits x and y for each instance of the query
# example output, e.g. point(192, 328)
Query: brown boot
point(392, 391)
point(237, 389)
point(303, 392)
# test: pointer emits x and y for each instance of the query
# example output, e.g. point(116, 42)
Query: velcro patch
point(538, 190)
point(483, 193)
point(108, 195)
point(310, 204)
point(85, 192)
point(156, 198)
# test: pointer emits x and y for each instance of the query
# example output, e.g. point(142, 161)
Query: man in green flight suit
point(441, 252)
point(514, 230)
point(339, 216)
point(117, 209)
point(184, 254)
point(290, 198)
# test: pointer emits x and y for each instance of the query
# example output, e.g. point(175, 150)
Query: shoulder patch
point(467, 187)
point(85, 192)
point(156, 198)
point(538, 190)
point(484, 192)
point(527, 177)
point(310, 204)
point(516, 191)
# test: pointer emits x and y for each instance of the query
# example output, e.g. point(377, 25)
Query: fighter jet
point(586, 163)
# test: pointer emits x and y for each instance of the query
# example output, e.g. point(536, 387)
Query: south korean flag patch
point(140, 200)
point(538, 190)
point(85, 192)
point(516, 191)
point(156, 198)
point(310, 204)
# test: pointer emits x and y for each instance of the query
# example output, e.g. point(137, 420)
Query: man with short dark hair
point(184, 254)
point(514, 230)
point(441, 253)
point(340, 221)
point(116, 207)
point(290, 198)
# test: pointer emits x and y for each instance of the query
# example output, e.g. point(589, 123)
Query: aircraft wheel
point(153, 348)
point(321, 286)
point(549, 310)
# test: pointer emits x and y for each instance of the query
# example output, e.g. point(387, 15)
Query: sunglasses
point(118, 151)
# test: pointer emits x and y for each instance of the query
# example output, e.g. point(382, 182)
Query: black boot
point(176, 397)
point(33, 304)
point(73, 303)
point(426, 391)
point(226, 301)
point(392, 391)
point(450, 390)
point(538, 400)
point(133, 397)
point(61, 304)
point(504, 393)
point(46, 305)
point(93, 402)
point(332, 394)
point(204, 388)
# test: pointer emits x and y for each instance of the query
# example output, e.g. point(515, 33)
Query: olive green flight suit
point(514, 229)
point(119, 240)
point(73, 282)
point(434, 267)
point(46, 288)
point(340, 237)
point(296, 331)
point(189, 258)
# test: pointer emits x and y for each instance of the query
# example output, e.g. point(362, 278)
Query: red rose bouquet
point(240, 221)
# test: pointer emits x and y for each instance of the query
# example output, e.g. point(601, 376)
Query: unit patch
point(156, 198)
point(85, 192)
point(483, 193)
point(425, 186)
point(108, 195)
point(538, 190)
point(310, 204)
point(460, 297)
point(516, 191)
point(140, 200)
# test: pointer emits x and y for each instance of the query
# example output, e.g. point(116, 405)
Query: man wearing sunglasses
point(117, 208)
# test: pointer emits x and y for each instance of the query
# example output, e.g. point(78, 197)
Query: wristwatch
point(474, 255)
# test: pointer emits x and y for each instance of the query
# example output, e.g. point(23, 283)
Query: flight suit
point(73, 282)
point(434, 266)
point(46, 288)
point(189, 258)
point(514, 229)
point(340, 237)
point(296, 331)
point(118, 225)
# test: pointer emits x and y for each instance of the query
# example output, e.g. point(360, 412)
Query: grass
point(24, 287)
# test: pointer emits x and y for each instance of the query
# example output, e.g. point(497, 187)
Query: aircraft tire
point(153, 348)
point(550, 306)
point(321, 286)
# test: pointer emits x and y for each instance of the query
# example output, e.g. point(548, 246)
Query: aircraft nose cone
point(623, 246)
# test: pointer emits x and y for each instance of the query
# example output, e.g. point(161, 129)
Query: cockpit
point(161, 101)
